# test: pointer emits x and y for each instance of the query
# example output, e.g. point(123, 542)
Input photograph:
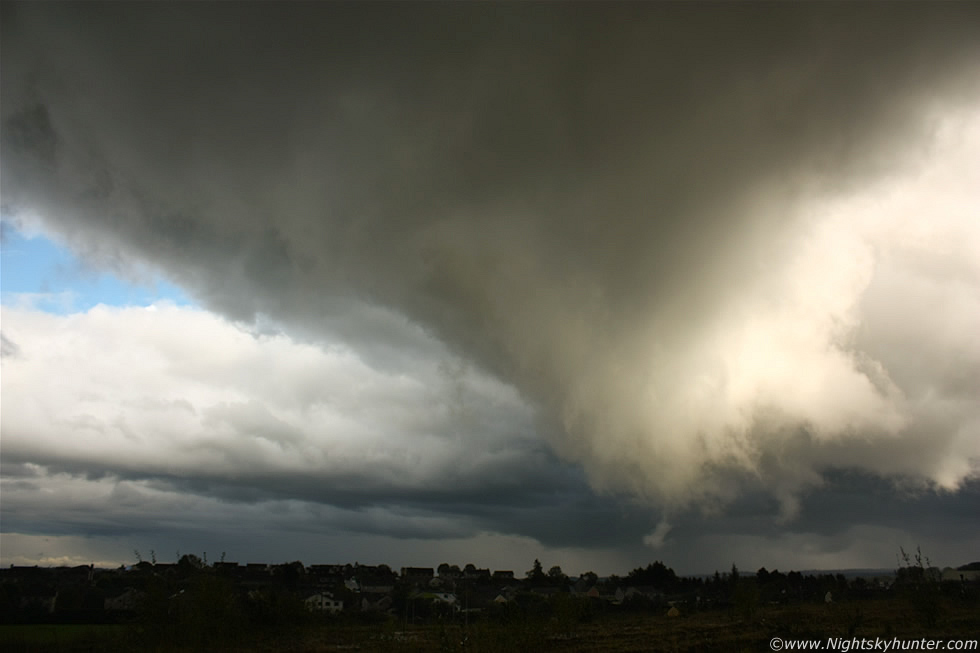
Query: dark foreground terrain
point(570, 627)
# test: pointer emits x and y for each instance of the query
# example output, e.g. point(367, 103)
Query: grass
point(606, 633)
point(618, 633)
point(63, 637)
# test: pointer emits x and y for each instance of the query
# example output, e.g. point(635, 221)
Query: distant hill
point(850, 573)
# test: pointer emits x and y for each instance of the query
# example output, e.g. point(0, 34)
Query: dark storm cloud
point(619, 209)
point(555, 511)
point(847, 499)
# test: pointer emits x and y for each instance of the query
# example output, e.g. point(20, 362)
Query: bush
point(207, 612)
point(920, 587)
point(745, 600)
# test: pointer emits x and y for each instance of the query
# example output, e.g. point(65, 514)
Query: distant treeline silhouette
point(191, 602)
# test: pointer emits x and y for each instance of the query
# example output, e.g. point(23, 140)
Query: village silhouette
point(196, 604)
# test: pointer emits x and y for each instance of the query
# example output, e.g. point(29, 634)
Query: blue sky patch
point(38, 272)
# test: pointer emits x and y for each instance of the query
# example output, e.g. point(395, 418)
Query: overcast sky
point(598, 284)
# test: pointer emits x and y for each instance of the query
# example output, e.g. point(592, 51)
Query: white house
point(445, 597)
point(960, 574)
point(324, 602)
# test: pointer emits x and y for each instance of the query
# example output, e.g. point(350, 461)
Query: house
point(230, 569)
point(32, 573)
point(376, 586)
point(643, 592)
point(324, 602)
point(376, 580)
point(125, 602)
point(546, 591)
point(326, 575)
point(477, 598)
point(39, 602)
point(478, 575)
point(442, 597)
point(417, 572)
point(448, 572)
point(326, 571)
point(78, 573)
point(417, 575)
point(375, 602)
point(961, 574)
point(502, 575)
point(256, 574)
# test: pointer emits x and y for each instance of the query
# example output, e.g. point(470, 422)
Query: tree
point(536, 573)
point(657, 574)
point(189, 563)
point(556, 576)
point(745, 598)
point(290, 573)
